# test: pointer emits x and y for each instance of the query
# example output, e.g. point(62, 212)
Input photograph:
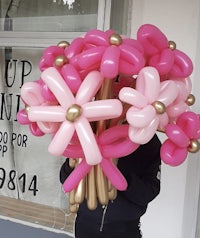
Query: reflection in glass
point(49, 15)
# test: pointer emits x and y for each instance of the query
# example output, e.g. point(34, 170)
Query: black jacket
point(142, 172)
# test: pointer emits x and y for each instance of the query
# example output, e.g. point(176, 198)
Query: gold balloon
point(102, 185)
point(63, 44)
point(73, 208)
point(159, 107)
point(72, 197)
point(112, 194)
point(190, 100)
point(72, 163)
point(115, 39)
point(91, 190)
point(80, 191)
point(73, 112)
point(172, 45)
point(27, 109)
point(60, 61)
point(194, 146)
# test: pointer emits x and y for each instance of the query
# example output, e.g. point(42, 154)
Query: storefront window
point(49, 15)
point(27, 171)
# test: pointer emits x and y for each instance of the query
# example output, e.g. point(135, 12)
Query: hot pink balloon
point(175, 149)
point(114, 143)
point(167, 61)
point(111, 58)
point(171, 154)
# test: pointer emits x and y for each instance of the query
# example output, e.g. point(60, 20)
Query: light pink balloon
point(89, 87)
point(88, 142)
point(132, 96)
point(168, 92)
point(140, 118)
point(102, 109)
point(148, 83)
point(57, 85)
point(31, 94)
point(145, 134)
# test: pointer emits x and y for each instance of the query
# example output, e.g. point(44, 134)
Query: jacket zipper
point(103, 217)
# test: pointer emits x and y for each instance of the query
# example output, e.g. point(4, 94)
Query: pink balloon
point(22, 117)
point(115, 142)
point(47, 94)
point(35, 130)
point(49, 56)
point(71, 77)
point(163, 62)
point(135, 44)
point(110, 62)
point(183, 66)
point(73, 151)
point(171, 154)
point(177, 135)
point(115, 176)
point(190, 122)
point(97, 37)
point(133, 56)
point(91, 57)
point(75, 48)
point(152, 39)
point(113, 134)
point(169, 62)
point(75, 177)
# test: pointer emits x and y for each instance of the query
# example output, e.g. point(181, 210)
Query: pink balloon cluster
point(150, 91)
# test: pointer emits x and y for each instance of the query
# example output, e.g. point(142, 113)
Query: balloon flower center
point(172, 45)
point(115, 39)
point(63, 44)
point(27, 109)
point(194, 146)
point(60, 61)
point(73, 113)
point(159, 107)
point(190, 100)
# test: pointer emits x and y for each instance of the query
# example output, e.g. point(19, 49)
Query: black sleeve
point(144, 177)
point(65, 171)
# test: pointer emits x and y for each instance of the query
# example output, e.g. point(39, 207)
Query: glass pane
point(119, 16)
point(31, 180)
point(48, 15)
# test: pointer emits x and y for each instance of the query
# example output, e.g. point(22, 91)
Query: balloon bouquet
point(103, 95)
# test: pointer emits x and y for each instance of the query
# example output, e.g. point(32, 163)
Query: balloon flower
point(101, 96)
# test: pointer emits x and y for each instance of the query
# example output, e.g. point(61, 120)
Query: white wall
point(173, 213)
